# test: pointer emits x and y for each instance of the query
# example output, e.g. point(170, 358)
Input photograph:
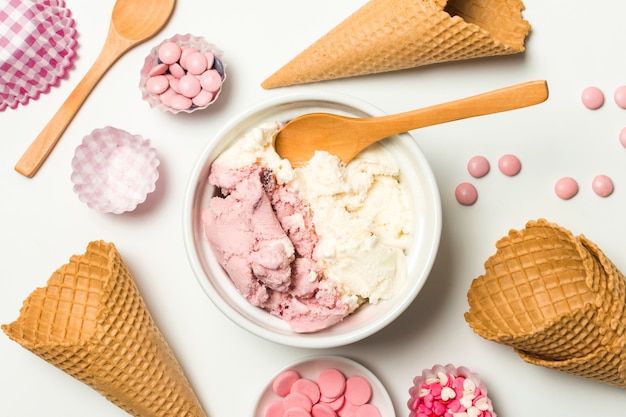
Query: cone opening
point(537, 277)
point(66, 310)
point(503, 23)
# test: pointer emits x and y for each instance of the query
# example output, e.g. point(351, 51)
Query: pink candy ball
point(189, 86)
point(566, 188)
point(478, 166)
point(466, 194)
point(169, 52)
point(509, 165)
point(592, 98)
point(196, 63)
point(602, 185)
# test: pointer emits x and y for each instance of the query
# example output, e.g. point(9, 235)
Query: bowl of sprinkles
point(449, 391)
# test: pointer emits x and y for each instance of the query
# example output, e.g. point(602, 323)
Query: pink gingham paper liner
point(113, 171)
point(37, 48)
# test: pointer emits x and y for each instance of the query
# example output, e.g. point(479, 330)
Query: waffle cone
point(389, 35)
point(91, 322)
point(556, 299)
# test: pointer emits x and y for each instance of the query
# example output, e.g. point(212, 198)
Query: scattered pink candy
point(620, 96)
point(478, 166)
point(602, 185)
point(566, 188)
point(331, 395)
point(466, 194)
point(592, 98)
point(509, 165)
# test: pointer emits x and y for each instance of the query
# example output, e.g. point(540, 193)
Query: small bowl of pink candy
point(182, 74)
point(449, 391)
point(324, 386)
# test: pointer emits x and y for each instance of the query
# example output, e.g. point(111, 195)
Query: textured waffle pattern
point(389, 35)
point(555, 298)
point(91, 322)
point(37, 48)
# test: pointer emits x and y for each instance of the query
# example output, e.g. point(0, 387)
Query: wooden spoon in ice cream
point(132, 22)
point(345, 136)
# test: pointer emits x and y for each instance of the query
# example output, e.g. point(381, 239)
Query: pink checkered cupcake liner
point(113, 171)
point(37, 48)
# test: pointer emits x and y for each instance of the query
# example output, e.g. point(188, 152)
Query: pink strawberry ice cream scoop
point(449, 391)
point(263, 237)
point(309, 245)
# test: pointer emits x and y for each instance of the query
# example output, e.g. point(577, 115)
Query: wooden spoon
point(132, 22)
point(345, 136)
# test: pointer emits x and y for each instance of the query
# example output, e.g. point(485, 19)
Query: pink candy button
point(466, 194)
point(592, 98)
point(210, 80)
point(283, 382)
point(196, 63)
point(297, 400)
point(307, 387)
point(358, 390)
point(332, 383)
point(509, 165)
point(189, 86)
point(157, 84)
point(169, 52)
point(566, 188)
point(602, 185)
point(203, 98)
point(478, 166)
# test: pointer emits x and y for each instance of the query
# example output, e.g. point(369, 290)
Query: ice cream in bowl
point(316, 256)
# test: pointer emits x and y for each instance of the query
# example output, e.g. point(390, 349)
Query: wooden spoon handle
point(504, 99)
point(40, 148)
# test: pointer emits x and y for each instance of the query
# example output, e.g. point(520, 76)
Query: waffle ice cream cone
point(91, 322)
point(557, 300)
point(389, 35)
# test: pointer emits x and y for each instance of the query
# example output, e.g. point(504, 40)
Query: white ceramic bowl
point(368, 319)
point(312, 367)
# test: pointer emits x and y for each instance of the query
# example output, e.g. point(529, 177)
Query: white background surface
point(42, 222)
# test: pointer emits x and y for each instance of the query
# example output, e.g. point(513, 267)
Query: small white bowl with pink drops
point(325, 386)
point(184, 73)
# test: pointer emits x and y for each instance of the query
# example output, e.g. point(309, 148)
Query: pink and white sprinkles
point(449, 392)
point(330, 395)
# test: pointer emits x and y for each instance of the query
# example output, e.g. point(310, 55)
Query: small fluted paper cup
point(167, 97)
point(113, 171)
point(449, 390)
point(37, 48)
